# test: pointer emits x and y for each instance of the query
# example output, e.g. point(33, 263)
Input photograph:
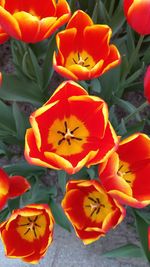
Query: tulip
point(91, 210)
point(84, 51)
point(147, 84)
point(3, 36)
point(70, 131)
point(11, 187)
point(28, 233)
point(33, 21)
point(126, 174)
point(137, 13)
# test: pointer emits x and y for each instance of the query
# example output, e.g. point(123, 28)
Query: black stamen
point(78, 56)
point(29, 219)
point(98, 200)
point(74, 130)
point(98, 210)
point(34, 232)
point(128, 181)
point(24, 224)
point(59, 132)
point(68, 140)
point(74, 61)
point(35, 219)
point(37, 225)
point(85, 58)
point(87, 65)
point(92, 199)
point(93, 212)
point(128, 172)
point(76, 138)
point(27, 231)
point(60, 141)
point(66, 127)
point(120, 168)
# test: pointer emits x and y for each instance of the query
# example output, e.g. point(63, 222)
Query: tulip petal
point(18, 186)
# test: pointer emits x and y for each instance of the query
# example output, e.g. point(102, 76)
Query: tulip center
point(97, 206)
point(31, 228)
point(80, 58)
point(126, 173)
point(67, 136)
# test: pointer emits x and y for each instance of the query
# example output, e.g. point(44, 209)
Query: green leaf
point(59, 215)
point(95, 85)
point(142, 228)
point(128, 250)
point(62, 177)
point(47, 68)
point(3, 214)
point(19, 88)
point(127, 106)
point(13, 204)
point(21, 122)
point(23, 168)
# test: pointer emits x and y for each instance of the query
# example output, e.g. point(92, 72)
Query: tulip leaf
point(59, 215)
point(142, 228)
point(19, 88)
point(3, 214)
point(62, 177)
point(21, 122)
point(128, 250)
point(23, 168)
point(13, 204)
point(47, 67)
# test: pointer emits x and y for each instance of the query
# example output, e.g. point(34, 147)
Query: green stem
point(134, 55)
point(145, 104)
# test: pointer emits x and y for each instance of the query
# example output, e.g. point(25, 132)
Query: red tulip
point(11, 187)
point(70, 131)
point(3, 36)
point(91, 209)
point(126, 174)
point(28, 233)
point(137, 13)
point(33, 21)
point(147, 84)
point(84, 51)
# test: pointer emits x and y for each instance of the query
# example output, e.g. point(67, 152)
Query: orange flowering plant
point(74, 123)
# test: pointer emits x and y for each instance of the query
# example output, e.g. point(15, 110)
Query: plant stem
point(145, 104)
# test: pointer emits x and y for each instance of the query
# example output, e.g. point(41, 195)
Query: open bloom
point(84, 51)
point(3, 36)
point(126, 174)
point(137, 13)
point(91, 209)
point(11, 187)
point(28, 232)
point(147, 84)
point(33, 21)
point(71, 130)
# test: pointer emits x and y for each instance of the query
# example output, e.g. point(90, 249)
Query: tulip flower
point(126, 174)
point(137, 13)
point(84, 51)
point(11, 187)
point(28, 233)
point(71, 130)
point(33, 21)
point(91, 210)
point(3, 36)
point(147, 84)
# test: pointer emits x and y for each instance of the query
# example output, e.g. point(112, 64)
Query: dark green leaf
point(3, 214)
point(62, 177)
point(21, 122)
point(59, 215)
point(129, 250)
point(13, 204)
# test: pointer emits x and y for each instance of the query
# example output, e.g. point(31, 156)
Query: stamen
point(86, 59)
point(60, 141)
point(120, 168)
point(98, 210)
point(59, 132)
point(68, 140)
point(24, 224)
point(74, 61)
point(86, 65)
point(78, 56)
point(66, 127)
point(92, 199)
point(93, 212)
point(27, 231)
point(74, 130)
point(34, 232)
point(76, 138)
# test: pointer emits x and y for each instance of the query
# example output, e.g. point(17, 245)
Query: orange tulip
point(91, 209)
point(3, 36)
point(126, 174)
point(11, 187)
point(32, 21)
point(28, 233)
point(147, 84)
point(137, 13)
point(71, 130)
point(84, 51)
